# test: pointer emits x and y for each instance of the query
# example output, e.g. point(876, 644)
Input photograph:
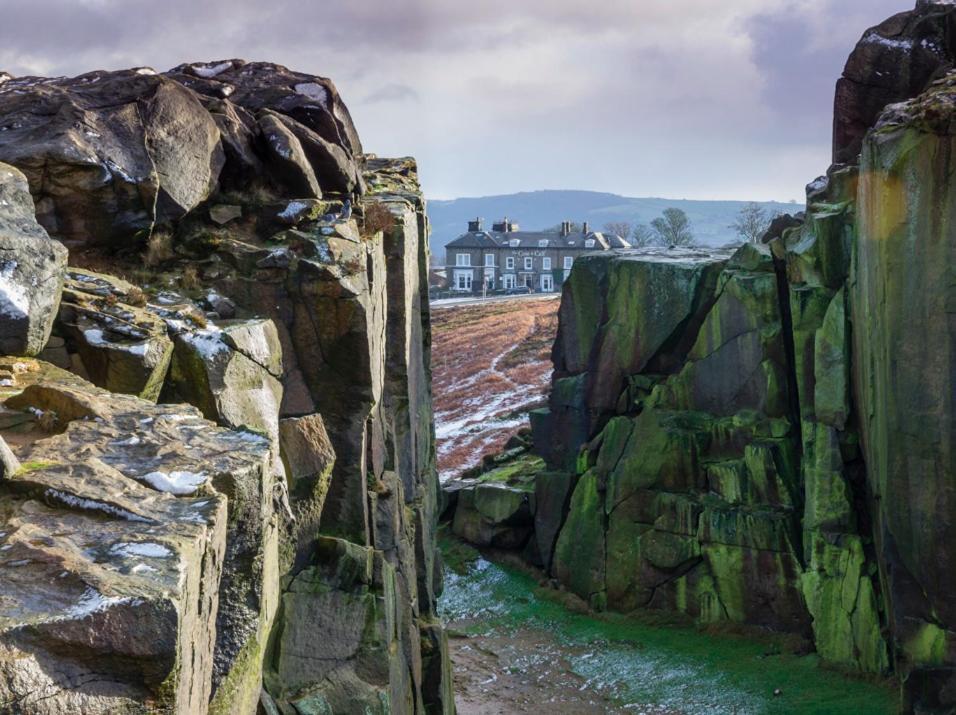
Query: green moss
point(34, 466)
point(239, 690)
point(646, 662)
point(518, 473)
point(579, 559)
point(928, 646)
point(840, 596)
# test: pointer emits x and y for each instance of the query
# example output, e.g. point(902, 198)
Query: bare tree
point(673, 228)
point(751, 222)
point(618, 228)
point(643, 235)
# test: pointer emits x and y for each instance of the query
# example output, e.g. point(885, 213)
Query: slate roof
point(531, 239)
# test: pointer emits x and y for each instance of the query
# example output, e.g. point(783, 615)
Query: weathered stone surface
point(124, 348)
point(308, 457)
point(31, 270)
point(287, 159)
point(893, 62)
point(904, 335)
point(109, 154)
point(332, 332)
point(312, 101)
point(335, 646)
point(116, 544)
point(218, 370)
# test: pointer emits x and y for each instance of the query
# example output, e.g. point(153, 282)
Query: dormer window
point(514, 242)
point(543, 243)
point(589, 243)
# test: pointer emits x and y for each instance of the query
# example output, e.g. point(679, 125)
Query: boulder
point(893, 62)
point(229, 372)
point(312, 101)
point(31, 270)
point(109, 155)
point(286, 158)
point(123, 348)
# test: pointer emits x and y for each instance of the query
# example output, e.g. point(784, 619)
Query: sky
point(697, 99)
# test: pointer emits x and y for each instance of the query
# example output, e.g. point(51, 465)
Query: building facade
point(505, 257)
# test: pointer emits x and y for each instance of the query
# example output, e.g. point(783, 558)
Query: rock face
point(275, 279)
point(905, 342)
point(766, 438)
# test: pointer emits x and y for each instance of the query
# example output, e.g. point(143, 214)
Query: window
point(589, 243)
point(508, 281)
point(543, 243)
point(490, 260)
point(514, 242)
point(463, 280)
point(545, 264)
point(568, 260)
point(547, 283)
point(528, 263)
point(510, 264)
point(463, 259)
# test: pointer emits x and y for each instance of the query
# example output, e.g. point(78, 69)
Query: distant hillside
point(540, 209)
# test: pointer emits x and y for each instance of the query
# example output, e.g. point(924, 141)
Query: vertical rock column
point(839, 581)
point(904, 313)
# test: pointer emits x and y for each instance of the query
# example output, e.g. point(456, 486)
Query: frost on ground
point(491, 365)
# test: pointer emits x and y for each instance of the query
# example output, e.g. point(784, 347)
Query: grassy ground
point(652, 666)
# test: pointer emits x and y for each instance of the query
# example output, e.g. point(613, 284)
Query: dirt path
point(491, 364)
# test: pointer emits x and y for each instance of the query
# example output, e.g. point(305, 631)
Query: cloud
point(685, 98)
point(392, 93)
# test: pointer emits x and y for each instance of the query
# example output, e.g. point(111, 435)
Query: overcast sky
point(675, 98)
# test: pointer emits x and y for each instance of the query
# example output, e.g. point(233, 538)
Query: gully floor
point(517, 648)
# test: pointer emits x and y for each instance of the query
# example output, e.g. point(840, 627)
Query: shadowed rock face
point(905, 340)
point(277, 282)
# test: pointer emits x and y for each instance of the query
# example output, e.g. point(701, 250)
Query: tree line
point(673, 228)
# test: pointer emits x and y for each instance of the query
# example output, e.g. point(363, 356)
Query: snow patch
point(94, 336)
point(141, 548)
point(873, 38)
point(14, 301)
point(210, 71)
point(178, 482)
point(314, 91)
point(92, 601)
point(292, 209)
point(208, 343)
point(90, 505)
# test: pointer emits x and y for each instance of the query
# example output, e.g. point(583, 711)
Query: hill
point(540, 209)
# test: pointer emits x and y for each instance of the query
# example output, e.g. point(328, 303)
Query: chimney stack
point(474, 226)
point(584, 228)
